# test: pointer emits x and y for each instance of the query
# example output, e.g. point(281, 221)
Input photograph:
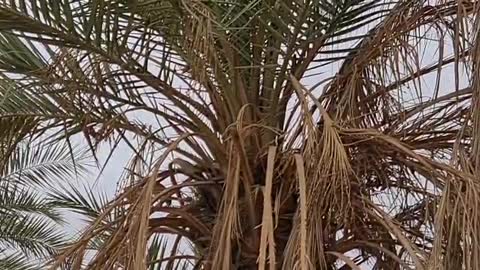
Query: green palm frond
point(30, 227)
point(17, 200)
point(18, 56)
point(88, 203)
point(32, 235)
point(158, 249)
point(17, 262)
point(162, 255)
point(45, 164)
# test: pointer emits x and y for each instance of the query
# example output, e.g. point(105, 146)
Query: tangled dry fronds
point(266, 134)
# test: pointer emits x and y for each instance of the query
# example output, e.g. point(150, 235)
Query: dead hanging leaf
point(227, 226)
point(304, 265)
point(333, 162)
point(267, 239)
point(139, 261)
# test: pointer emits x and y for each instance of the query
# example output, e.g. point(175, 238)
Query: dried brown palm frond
point(266, 134)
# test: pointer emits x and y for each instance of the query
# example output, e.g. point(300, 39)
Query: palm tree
point(30, 227)
point(266, 134)
point(31, 219)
